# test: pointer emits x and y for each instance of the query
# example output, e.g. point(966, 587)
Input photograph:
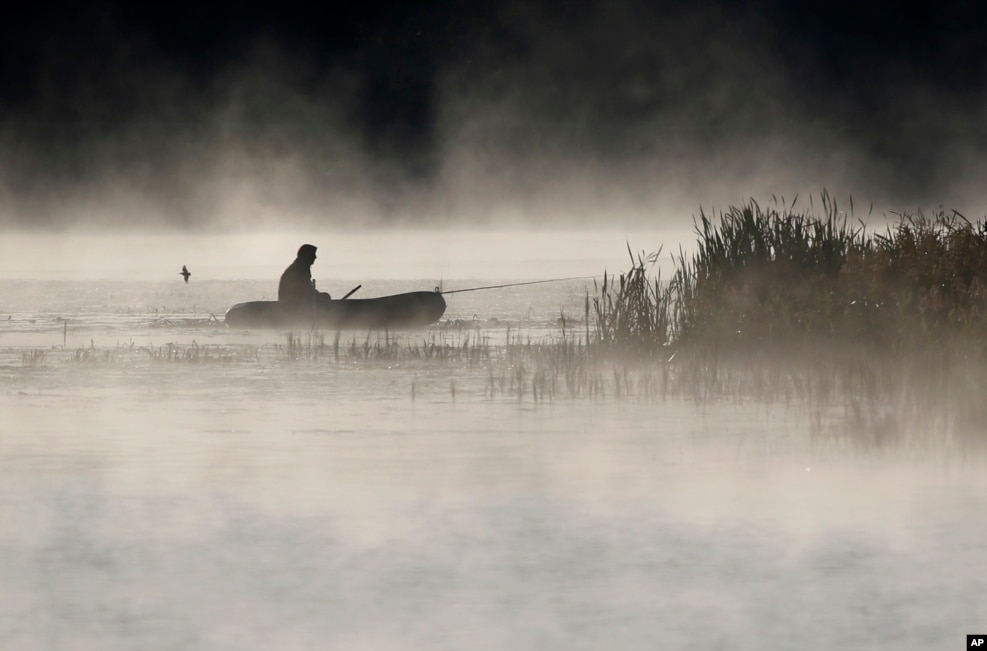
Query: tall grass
point(772, 278)
point(777, 303)
point(763, 274)
point(632, 311)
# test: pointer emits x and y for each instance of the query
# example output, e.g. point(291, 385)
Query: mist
point(517, 115)
point(612, 456)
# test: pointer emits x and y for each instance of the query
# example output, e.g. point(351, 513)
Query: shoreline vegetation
point(780, 280)
point(889, 328)
point(878, 338)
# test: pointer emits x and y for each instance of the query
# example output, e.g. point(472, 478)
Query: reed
point(34, 357)
point(181, 353)
point(775, 278)
point(866, 331)
point(309, 345)
point(632, 312)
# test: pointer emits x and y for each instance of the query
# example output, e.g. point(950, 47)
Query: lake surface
point(167, 483)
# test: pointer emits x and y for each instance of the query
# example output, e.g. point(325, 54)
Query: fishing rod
point(530, 282)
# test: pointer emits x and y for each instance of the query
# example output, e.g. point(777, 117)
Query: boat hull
point(410, 310)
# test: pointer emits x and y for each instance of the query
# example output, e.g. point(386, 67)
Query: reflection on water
point(264, 503)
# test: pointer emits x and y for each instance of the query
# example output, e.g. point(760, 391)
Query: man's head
point(307, 253)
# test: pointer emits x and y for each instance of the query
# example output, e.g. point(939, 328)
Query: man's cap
point(306, 251)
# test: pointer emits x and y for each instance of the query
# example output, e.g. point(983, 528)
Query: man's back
point(296, 283)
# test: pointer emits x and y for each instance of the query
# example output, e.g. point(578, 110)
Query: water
point(241, 499)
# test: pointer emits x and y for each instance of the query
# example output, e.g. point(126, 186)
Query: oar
point(351, 292)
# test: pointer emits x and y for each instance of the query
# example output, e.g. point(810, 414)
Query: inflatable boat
point(400, 311)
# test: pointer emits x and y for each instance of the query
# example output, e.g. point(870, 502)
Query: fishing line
point(530, 282)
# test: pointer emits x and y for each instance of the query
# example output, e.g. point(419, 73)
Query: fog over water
point(173, 483)
point(167, 482)
point(343, 255)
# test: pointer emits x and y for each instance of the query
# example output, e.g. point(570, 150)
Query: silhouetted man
point(296, 287)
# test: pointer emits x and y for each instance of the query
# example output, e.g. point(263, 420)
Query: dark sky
point(395, 112)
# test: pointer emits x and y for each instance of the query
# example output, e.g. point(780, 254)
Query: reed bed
point(870, 332)
point(766, 278)
point(632, 311)
point(770, 279)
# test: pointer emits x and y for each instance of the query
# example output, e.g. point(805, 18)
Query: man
point(296, 287)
